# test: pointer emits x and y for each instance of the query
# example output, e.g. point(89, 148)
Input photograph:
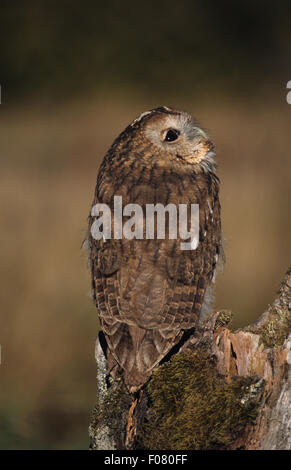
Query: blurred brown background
point(72, 77)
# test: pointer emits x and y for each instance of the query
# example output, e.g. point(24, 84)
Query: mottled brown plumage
point(148, 292)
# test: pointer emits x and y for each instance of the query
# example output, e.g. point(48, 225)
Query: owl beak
point(201, 141)
point(202, 148)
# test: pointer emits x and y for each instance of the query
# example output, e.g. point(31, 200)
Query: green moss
point(192, 407)
point(111, 414)
point(275, 330)
point(224, 318)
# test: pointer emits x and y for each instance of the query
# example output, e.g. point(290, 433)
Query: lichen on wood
point(275, 324)
point(109, 419)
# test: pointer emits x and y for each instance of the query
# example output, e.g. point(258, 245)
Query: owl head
point(176, 137)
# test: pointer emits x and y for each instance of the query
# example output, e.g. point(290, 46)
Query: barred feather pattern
point(148, 292)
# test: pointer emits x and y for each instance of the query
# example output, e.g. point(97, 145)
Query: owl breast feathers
point(148, 292)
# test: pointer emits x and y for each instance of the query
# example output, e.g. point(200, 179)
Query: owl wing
point(148, 291)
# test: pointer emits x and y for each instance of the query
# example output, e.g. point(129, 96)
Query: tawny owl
point(149, 292)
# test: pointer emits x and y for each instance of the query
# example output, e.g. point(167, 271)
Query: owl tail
point(137, 351)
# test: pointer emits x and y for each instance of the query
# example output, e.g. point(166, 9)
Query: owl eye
point(171, 135)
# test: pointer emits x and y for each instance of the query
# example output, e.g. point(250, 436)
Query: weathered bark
point(249, 370)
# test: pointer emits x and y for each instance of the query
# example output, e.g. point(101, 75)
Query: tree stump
point(218, 390)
